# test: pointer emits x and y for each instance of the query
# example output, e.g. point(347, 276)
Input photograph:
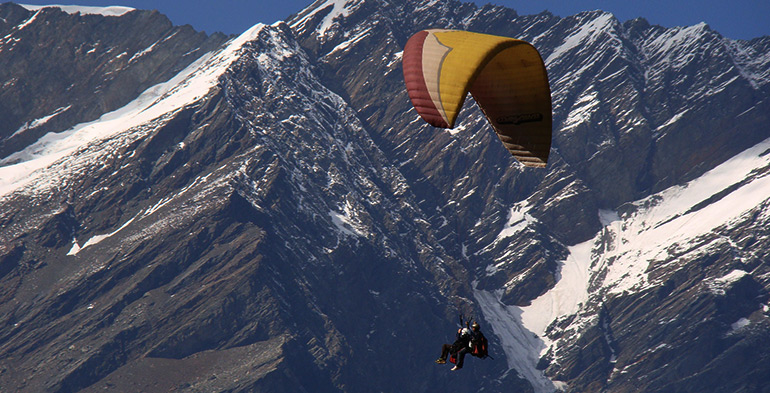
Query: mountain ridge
point(41, 95)
point(602, 50)
point(276, 218)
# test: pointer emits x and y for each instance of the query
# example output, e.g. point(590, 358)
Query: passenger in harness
point(468, 340)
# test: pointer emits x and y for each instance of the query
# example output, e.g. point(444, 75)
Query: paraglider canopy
point(506, 77)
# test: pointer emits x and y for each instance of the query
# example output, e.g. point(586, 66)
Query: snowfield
point(678, 215)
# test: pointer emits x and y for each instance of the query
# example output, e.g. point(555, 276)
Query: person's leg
point(445, 350)
point(461, 357)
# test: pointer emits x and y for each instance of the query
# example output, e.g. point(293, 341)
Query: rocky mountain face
point(235, 228)
point(270, 214)
point(59, 69)
point(638, 109)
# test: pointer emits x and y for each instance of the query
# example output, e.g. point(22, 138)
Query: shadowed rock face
point(294, 229)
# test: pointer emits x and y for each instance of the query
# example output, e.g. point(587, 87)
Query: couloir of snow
point(521, 346)
point(39, 122)
point(659, 225)
point(25, 170)
point(335, 9)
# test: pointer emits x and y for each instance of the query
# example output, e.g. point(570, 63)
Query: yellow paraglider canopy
point(506, 77)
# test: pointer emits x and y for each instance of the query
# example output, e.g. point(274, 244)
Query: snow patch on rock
point(83, 10)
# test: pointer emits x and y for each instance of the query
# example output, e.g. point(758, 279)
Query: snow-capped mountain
point(270, 214)
point(62, 66)
point(640, 111)
point(233, 228)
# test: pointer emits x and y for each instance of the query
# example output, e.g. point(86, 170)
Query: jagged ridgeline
point(268, 212)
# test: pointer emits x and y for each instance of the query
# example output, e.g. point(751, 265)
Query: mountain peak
point(83, 10)
point(25, 168)
point(110, 61)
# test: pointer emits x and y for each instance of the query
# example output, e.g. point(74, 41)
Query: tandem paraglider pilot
point(468, 340)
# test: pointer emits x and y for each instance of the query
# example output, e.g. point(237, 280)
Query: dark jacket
point(461, 342)
point(479, 344)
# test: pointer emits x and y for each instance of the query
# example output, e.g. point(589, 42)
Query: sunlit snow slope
point(27, 170)
point(652, 232)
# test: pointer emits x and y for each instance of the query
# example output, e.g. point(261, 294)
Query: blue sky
point(741, 19)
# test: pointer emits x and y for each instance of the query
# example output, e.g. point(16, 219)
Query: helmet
point(475, 326)
point(465, 332)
